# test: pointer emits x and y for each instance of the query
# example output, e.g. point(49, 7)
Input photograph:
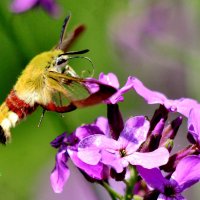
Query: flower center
point(169, 190)
point(122, 152)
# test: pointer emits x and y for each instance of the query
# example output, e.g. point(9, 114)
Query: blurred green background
point(167, 59)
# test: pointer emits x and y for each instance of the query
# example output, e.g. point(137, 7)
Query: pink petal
point(98, 171)
point(153, 177)
point(117, 97)
point(194, 124)
point(89, 148)
point(134, 133)
point(187, 171)
point(60, 174)
point(184, 105)
point(113, 161)
point(89, 156)
point(149, 160)
point(109, 79)
point(152, 97)
point(102, 123)
point(98, 141)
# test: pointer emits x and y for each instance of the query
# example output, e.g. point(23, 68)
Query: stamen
point(122, 152)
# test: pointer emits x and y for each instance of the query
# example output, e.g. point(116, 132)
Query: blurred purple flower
point(68, 149)
point(19, 6)
point(156, 41)
point(120, 153)
point(186, 174)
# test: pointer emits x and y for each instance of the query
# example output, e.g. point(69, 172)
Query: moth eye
point(60, 61)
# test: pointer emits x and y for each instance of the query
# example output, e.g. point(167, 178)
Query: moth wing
point(65, 91)
point(80, 92)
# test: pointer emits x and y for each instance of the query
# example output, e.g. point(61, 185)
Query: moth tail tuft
point(3, 138)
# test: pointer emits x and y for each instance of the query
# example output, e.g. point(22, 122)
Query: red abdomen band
point(18, 106)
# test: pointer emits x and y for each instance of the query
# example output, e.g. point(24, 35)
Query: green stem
point(130, 183)
point(113, 194)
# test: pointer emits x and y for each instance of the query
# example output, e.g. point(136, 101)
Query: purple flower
point(109, 79)
point(60, 173)
point(186, 174)
point(182, 105)
point(68, 149)
point(112, 80)
point(194, 126)
point(19, 6)
point(118, 154)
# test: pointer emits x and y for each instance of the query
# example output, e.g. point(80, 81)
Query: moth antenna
point(76, 52)
point(64, 27)
point(71, 38)
point(41, 118)
point(86, 58)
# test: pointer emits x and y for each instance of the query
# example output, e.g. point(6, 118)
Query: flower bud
point(115, 120)
point(174, 159)
point(171, 130)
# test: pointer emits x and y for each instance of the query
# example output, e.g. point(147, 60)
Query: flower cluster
point(136, 151)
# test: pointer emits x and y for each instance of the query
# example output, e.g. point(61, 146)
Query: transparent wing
point(77, 91)
point(66, 89)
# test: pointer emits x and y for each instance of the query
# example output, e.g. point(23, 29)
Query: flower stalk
point(130, 183)
point(113, 194)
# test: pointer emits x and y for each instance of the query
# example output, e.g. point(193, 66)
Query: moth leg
point(60, 109)
point(41, 118)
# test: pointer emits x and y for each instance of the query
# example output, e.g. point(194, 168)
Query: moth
point(46, 81)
